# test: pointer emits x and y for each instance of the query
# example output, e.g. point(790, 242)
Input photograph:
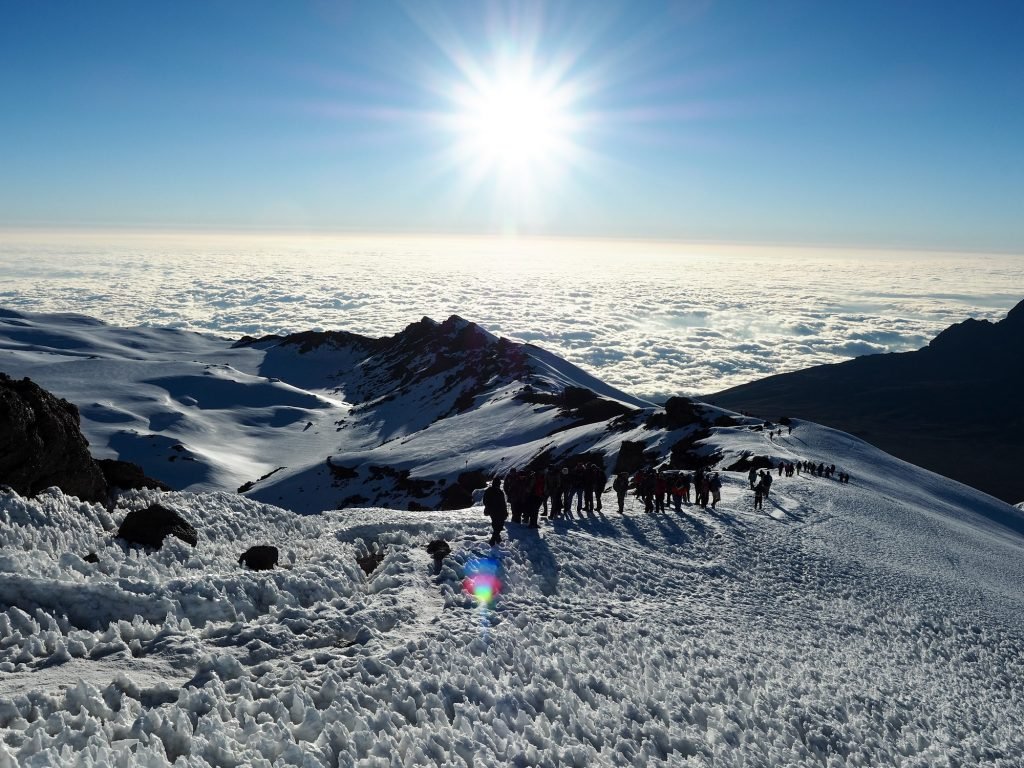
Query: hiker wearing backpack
point(496, 508)
point(759, 494)
point(715, 486)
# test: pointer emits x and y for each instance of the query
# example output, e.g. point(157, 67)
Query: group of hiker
point(659, 488)
point(556, 489)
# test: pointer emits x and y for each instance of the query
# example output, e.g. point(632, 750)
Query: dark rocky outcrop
point(127, 475)
point(953, 407)
point(456, 496)
point(261, 557)
point(679, 412)
point(747, 461)
point(149, 527)
point(41, 444)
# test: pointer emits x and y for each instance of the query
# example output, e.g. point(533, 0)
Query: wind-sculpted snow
point(862, 624)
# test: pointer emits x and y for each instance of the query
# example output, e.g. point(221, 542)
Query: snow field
point(707, 637)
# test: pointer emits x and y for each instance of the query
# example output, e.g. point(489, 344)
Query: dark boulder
point(438, 549)
point(41, 444)
point(262, 557)
point(150, 526)
point(127, 476)
point(369, 562)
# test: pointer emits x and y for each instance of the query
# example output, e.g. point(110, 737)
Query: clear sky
point(890, 123)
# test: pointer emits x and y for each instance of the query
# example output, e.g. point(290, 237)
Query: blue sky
point(868, 123)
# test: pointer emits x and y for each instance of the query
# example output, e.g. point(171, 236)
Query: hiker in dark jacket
point(620, 486)
point(496, 508)
point(759, 494)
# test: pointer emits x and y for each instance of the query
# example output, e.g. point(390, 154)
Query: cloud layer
point(653, 319)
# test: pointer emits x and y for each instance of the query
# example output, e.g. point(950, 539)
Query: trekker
point(599, 477)
point(677, 492)
point(759, 494)
point(496, 508)
point(752, 477)
point(620, 486)
point(579, 485)
point(767, 480)
point(715, 486)
point(660, 490)
point(566, 491)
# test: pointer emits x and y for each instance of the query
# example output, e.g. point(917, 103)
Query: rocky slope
point(953, 407)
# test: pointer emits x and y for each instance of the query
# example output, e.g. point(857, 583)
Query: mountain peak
point(1004, 338)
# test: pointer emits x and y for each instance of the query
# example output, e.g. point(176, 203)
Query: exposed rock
point(150, 526)
point(262, 557)
point(438, 549)
point(41, 444)
point(747, 461)
point(370, 562)
point(456, 496)
point(631, 457)
point(679, 412)
point(127, 476)
point(92, 557)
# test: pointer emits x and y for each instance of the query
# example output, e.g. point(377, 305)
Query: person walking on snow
point(496, 508)
point(715, 486)
point(620, 486)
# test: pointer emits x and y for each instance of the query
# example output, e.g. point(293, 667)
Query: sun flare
point(515, 127)
point(514, 124)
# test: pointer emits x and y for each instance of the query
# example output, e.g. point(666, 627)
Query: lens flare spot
point(482, 581)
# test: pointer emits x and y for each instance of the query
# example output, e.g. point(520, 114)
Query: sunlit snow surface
point(652, 319)
point(875, 623)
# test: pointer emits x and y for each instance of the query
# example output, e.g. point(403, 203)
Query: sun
point(514, 126)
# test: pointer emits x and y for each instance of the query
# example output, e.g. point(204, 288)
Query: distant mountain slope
point(954, 407)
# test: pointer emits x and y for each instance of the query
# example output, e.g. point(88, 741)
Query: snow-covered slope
point(864, 624)
point(319, 420)
point(872, 623)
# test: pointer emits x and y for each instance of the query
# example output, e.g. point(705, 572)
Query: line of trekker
point(555, 490)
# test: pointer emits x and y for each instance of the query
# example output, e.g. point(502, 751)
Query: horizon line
point(148, 231)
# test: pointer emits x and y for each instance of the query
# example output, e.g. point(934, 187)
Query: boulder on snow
point(749, 461)
point(41, 444)
point(150, 526)
point(262, 557)
point(438, 549)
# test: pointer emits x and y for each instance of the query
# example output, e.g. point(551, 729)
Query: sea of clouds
point(652, 318)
